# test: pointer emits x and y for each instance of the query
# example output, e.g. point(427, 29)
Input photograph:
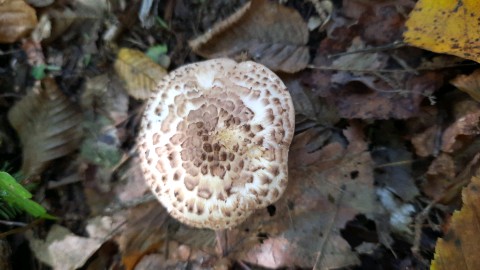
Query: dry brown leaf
point(320, 199)
point(79, 17)
point(140, 73)
point(63, 250)
point(365, 98)
point(145, 231)
point(48, 125)
point(17, 19)
point(458, 249)
point(425, 142)
point(469, 84)
point(307, 103)
point(268, 32)
point(461, 133)
point(445, 181)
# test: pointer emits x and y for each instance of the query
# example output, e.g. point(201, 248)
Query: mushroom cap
point(214, 141)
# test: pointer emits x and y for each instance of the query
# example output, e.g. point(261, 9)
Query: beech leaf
point(139, 72)
point(17, 19)
point(48, 125)
point(268, 32)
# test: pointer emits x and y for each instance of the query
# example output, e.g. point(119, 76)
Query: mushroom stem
point(222, 242)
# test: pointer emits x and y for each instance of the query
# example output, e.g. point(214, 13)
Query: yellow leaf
point(140, 73)
point(446, 26)
point(459, 248)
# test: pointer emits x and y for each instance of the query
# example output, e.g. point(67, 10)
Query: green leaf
point(9, 184)
point(17, 197)
point(38, 72)
point(162, 23)
point(155, 52)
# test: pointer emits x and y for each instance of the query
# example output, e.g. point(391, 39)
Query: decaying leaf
point(84, 17)
point(461, 133)
point(362, 89)
point(48, 125)
point(320, 199)
point(458, 249)
point(446, 26)
point(375, 98)
point(265, 31)
point(17, 19)
point(63, 250)
point(139, 72)
point(469, 84)
point(310, 105)
point(144, 231)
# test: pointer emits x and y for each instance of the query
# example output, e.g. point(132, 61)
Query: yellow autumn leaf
point(139, 73)
point(458, 249)
point(446, 26)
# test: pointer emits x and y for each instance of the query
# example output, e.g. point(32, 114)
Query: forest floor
point(384, 139)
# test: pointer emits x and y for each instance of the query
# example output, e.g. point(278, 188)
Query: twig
point(22, 229)
point(390, 46)
point(419, 219)
point(13, 223)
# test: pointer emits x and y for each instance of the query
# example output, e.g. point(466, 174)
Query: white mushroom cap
point(214, 141)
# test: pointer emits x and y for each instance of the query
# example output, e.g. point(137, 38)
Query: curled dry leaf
point(17, 19)
point(48, 125)
point(461, 133)
point(139, 72)
point(268, 32)
point(458, 249)
point(445, 27)
point(469, 84)
point(445, 180)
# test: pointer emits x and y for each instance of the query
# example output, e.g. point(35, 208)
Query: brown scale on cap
point(214, 140)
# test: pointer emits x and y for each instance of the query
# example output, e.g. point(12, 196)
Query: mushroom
point(214, 141)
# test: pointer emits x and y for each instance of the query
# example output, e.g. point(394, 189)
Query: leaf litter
point(382, 149)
